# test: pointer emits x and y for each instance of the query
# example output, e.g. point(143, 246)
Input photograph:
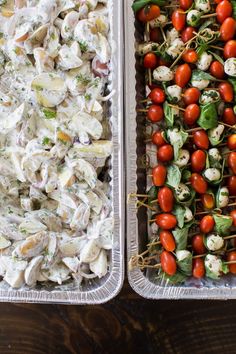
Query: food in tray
point(189, 56)
point(56, 220)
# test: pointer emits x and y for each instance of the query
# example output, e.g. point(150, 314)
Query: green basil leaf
point(177, 139)
point(233, 3)
point(202, 75)
point(139, 4)
point(185, 265)
point(206, 24)
point(210, 274)
point(233, 83)
point(202, 48)
point(187, 202)
point(217, 57)
point(181, 238)
point(223, 224)
point(213, 163)
point(179, 212)
point(208, 118)
point(225, 268)
point(186, 174)
point(168, 114)
point(152, 194)
point(173, 176)
point(177, 278)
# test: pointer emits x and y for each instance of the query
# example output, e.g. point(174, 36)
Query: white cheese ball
point(204, 61)
point(183, 192)
point(160, 21)
point(215, 133)
point(163, 73)
point(200, 84)
point(203, 5)
point(215, 154)
point(212, 174)
point(223, 197)
point(175, 92)
point(214, 242)
point(183, 158)
point(193, 17)
point(175, 48)
point(188, 215)
point(209, 96)
point(230, 67)
point(171, 35)
point(182, 254)
point(173, 135)
point(214, 264)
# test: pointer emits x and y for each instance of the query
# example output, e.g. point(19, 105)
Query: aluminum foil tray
point(98, 290)
point(146, 284)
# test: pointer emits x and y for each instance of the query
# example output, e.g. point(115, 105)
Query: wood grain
point(126, 325)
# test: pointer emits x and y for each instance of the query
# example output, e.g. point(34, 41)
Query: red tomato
point(191, 95)
point(198, 244)
point(148, 13)
point(226, 91)
point(166, 221)
point(157, 138)
point(229, 116)
point(198, 268)
point(168, 263)
point(231, 257)
point(201, 140)
point(217, 1)
point(223, 10)
point(233, 216)
point(155, 113)
point(157, 95)
point(155, 35)
point(231, 184)
point(165, 199)
point(162, 62)
point(217, 69)
point(198, 183)
point(190, 56)
point(232, 161)
point(150, 61)
point(230, 49)
point(198, 161)
point(165, 153)
point(185, 4)
point(183, 75)
point(178, 19)
point(187, 34)
point(208, 201)
point(167, 240)
point(228, 29)
point(191, 114)
point(231, 142)
point(159, 175)
point(207, 224)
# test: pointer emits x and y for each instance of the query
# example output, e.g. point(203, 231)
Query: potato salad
point(56, 221)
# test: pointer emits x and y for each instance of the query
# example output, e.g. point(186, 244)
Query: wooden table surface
point(126, 325)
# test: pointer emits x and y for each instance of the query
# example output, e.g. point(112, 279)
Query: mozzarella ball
point(215, 154)
point(214, 242)
point(182, 254)
point(171, 35)
point(200, 84)
point(230, 67)
point(209, 96)
point(212, 174)
point(223, 197)
point(193, 17)
point(160, 21)
point(163, 73)
point(183, 158)
point(183, 192)
point(204, 61)
point(215, 133)
point(175, 48)
point(188, 215)
point(214, 264)
point(175, 92)
point(203, 5)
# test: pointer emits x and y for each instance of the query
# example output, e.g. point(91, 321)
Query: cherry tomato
point(198, 161)
point(155, 113)
point(207, 224)
point(185, 4)
point(150, 61)
point(190, 56)
point(231, 184)
point(191, 95)
point(159, 175)
point(165, 199)
point(223, 10)
point(228, 29)
point(163, 62)
point(231, 142)
point(198, 268)
point(155, 35)
point(157, 95)
point(183, 75)
point(157, 138)
point(208, 201)
point(217, 1)
point(217, 69)
point(232, 161)
point(187, 34)
point(148, 13)
point(198, 244)
point(231, 257)
point(167, 240)
point(229, 116)
point(198, 183)
point(191, 114)
point(168, 263)
point(166, 221)
point(165, 153)
point(230, 49)
point(201, 140)
point(178, 19)
point(226, 91)
point(233, 216)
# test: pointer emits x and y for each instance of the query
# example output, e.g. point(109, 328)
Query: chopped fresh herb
point(46, 140)
point(49, 114)
point(83, 46)
point(82, 79)
point(87, 97)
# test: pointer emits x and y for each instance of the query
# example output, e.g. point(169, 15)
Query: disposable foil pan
point(146, 284)
point(99, 290)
